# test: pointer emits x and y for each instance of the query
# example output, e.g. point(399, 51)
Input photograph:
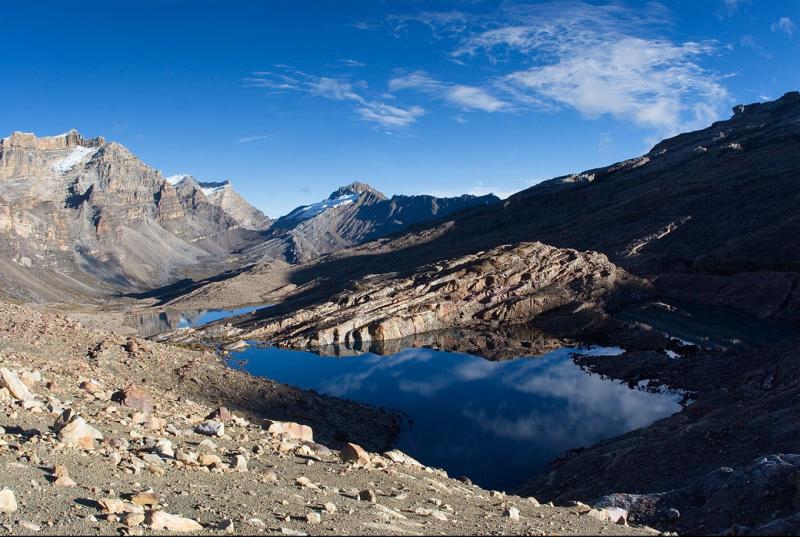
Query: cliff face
point(83, 217)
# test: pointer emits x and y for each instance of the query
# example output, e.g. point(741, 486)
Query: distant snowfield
point(75, 156)
point(310, 211)
point(175, 179)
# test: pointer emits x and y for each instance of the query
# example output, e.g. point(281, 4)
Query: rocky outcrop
point(504, 286)
point(352, 215)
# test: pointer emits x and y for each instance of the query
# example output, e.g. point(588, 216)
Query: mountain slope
point(354, 214)
point(86, 218)
point(709, 216)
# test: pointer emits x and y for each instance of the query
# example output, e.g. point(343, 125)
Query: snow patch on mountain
point(75, 156)
point(310, 211)
point(175, 179)
point(212, 188)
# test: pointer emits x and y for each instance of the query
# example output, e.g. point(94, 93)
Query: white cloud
point(731, 7)
point(784, 25)
point(371, 110)
point(459, 95)
point(600, 60)
point(248, 139)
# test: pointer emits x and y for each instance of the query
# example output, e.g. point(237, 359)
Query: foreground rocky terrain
point(101, 434)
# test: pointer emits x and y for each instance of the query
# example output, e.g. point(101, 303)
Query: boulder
point(16, 388)
point(162, 521)
point(354, 453)
point(76, 432)
point(292, 430)
point(134, 397)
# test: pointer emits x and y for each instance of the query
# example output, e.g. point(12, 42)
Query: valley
point(620, 342)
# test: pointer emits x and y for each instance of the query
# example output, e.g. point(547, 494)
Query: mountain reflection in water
point(151, 323)
point(497, 422)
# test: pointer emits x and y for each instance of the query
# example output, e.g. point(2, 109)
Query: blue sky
point(290, 99)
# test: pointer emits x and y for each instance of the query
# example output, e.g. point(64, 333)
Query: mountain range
point(85, 219)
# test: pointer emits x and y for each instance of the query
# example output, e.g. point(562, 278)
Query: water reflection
point(497, 422)
point(152, 323)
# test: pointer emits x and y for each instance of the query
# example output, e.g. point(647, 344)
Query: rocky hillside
point(354, 214)
point(85, 218)
point(708, 216)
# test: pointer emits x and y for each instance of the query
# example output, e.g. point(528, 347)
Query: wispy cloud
point(596, 59)
point(248, 139)
point(349, 62)
point(731, 7)
point(371, 110)
point(459, 95)
point(784, 25)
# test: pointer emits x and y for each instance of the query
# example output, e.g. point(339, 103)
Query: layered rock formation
point(85, 218)
point(504, 286)
point(354, 214)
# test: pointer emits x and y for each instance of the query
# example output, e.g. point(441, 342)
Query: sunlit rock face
point(85, 217)
point(504, 286)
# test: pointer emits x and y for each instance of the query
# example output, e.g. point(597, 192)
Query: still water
point(499, 423)
point(150, 324)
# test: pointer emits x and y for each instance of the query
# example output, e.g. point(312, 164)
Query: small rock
point(227, 525)
point(133, 519)
point(133, 397)
point(367, 495)
point(209, 460)
point(240, 463)
point(8, 502)
point(330, 507)
point(313, 518)
point(76, 432)
point(145, 498)
point(673, 514)
point(512, 513)
point(30, 526)
point(305, 482)
point(211, 428)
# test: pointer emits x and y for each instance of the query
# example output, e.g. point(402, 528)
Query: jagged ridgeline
point(84, 217)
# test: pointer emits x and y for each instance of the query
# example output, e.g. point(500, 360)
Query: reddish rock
point(137, 398)
point(220, 414)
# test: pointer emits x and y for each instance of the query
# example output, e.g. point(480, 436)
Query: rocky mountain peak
point(355, 188)
point(68, 140)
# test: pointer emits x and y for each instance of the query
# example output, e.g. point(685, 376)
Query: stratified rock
point(506, 285)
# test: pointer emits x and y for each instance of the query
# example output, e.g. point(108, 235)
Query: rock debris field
point(101, 434)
